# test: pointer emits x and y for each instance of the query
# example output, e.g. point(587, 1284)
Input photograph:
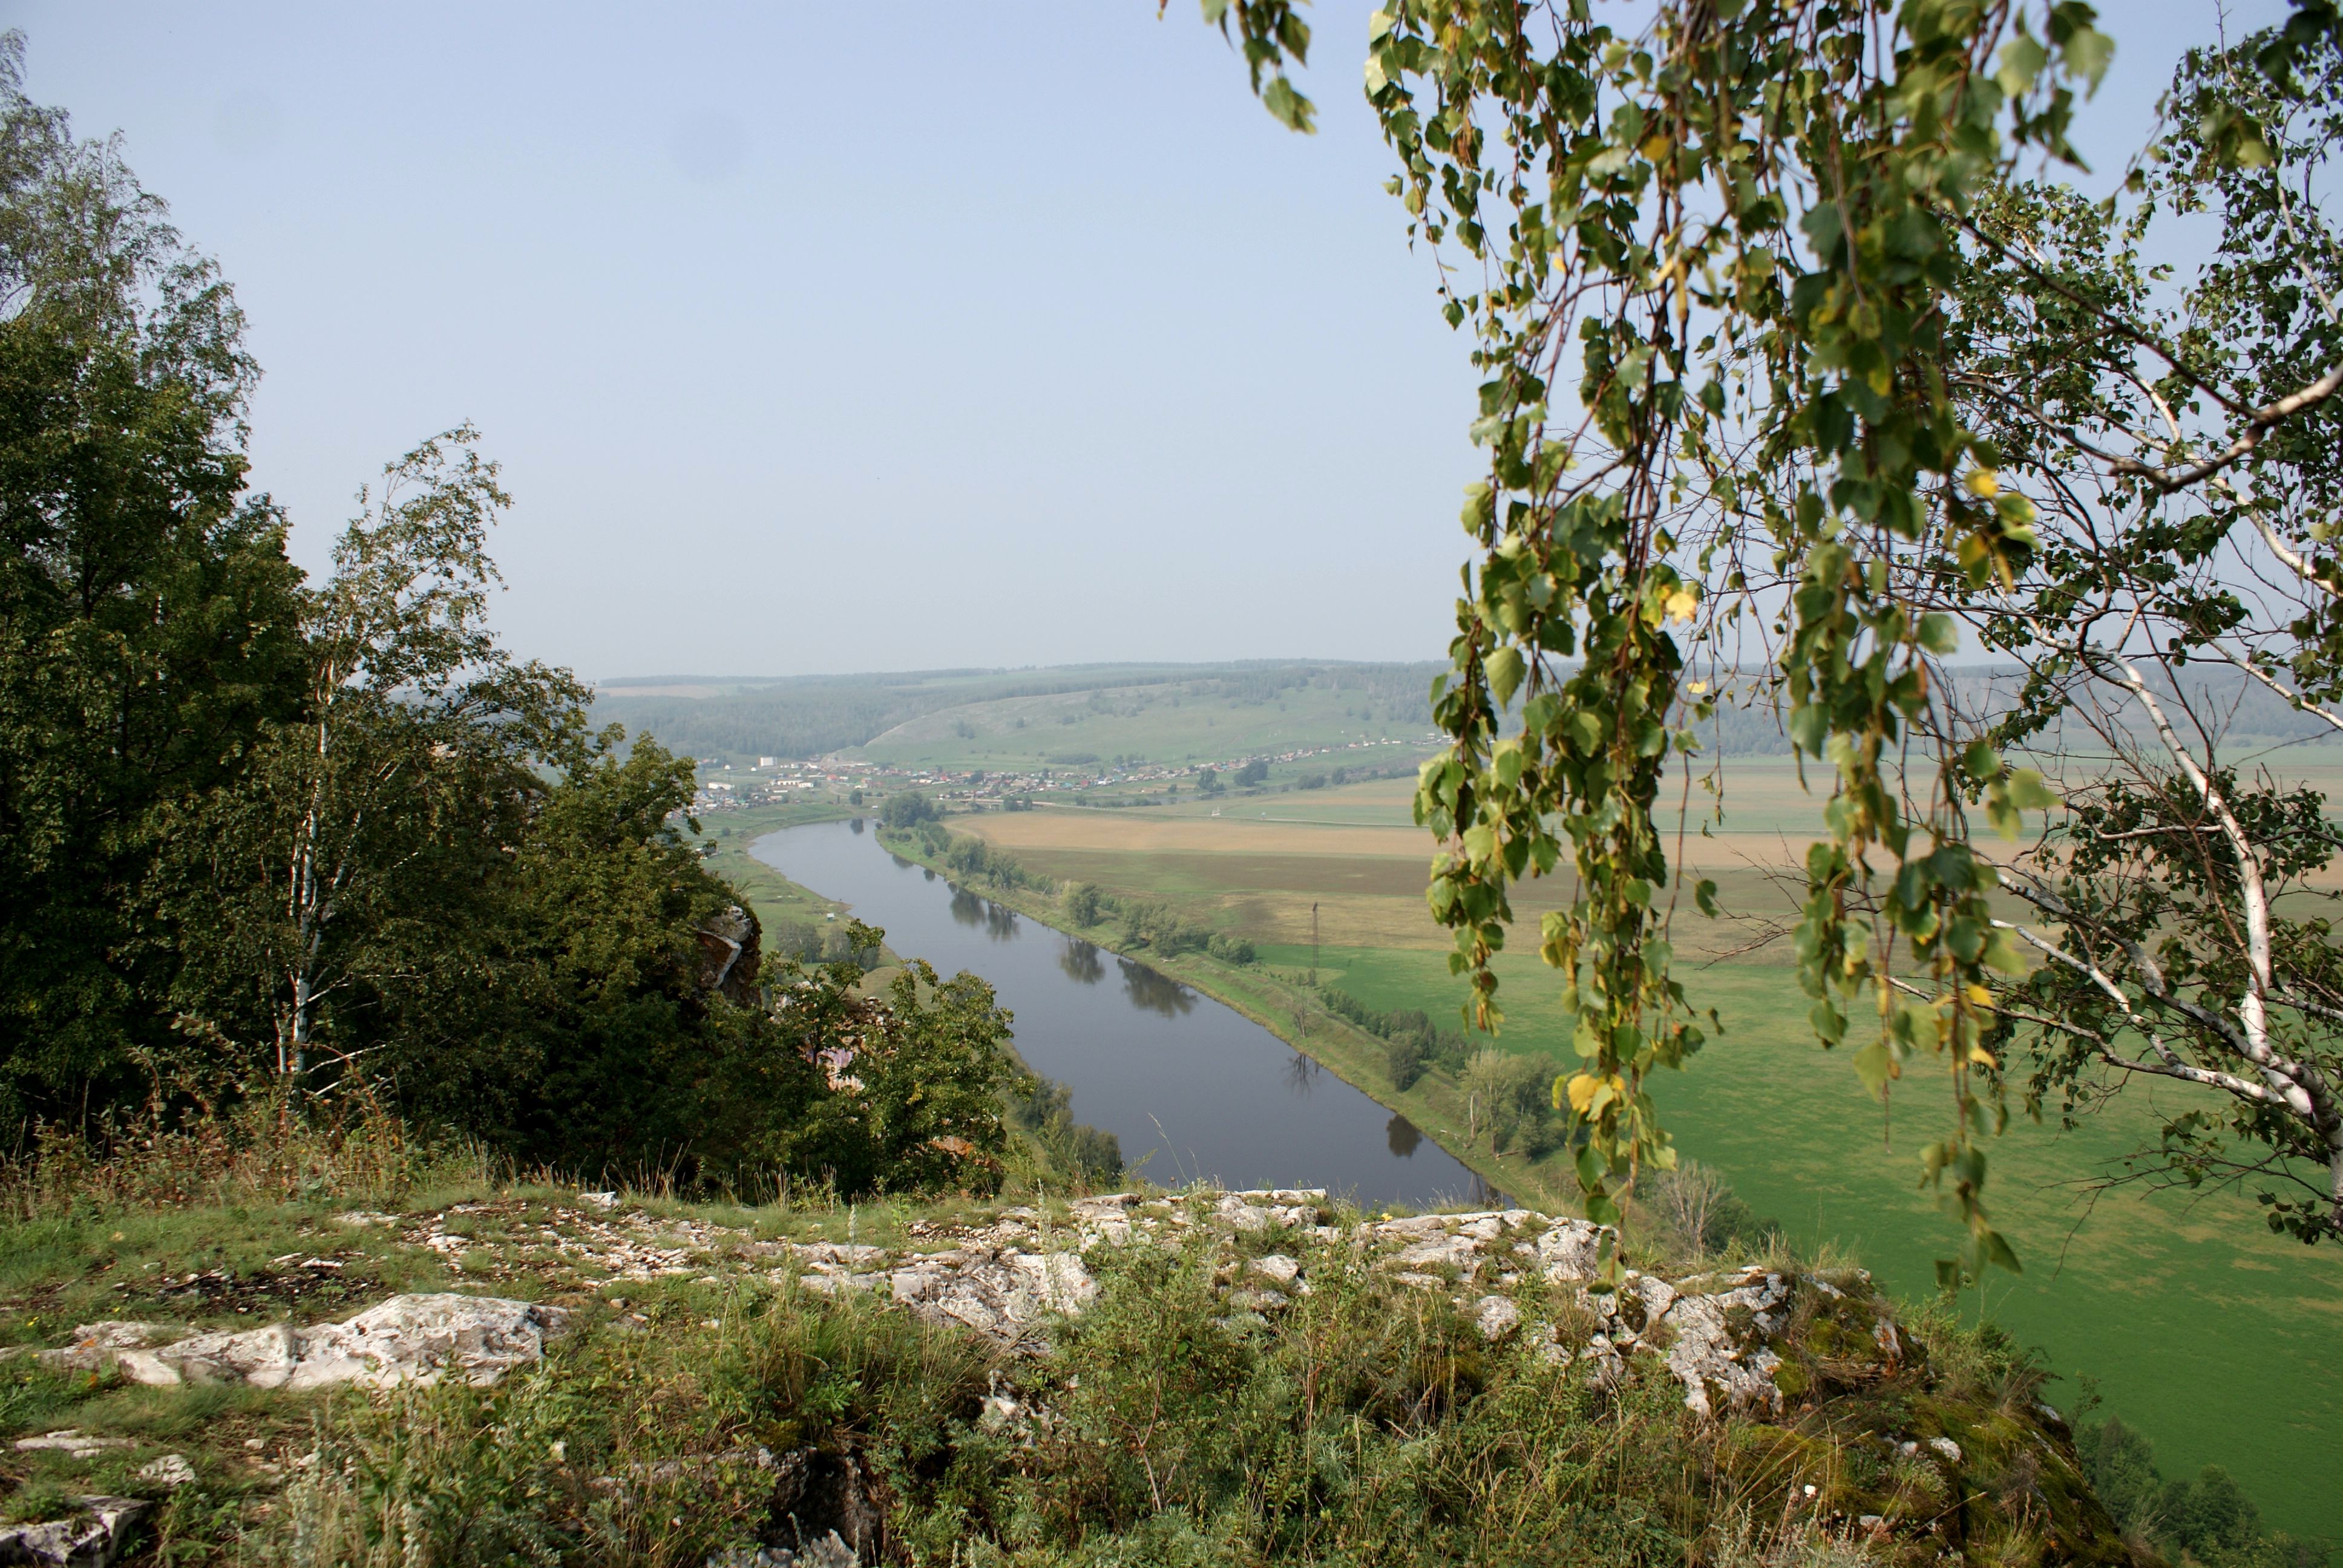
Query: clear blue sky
point(844, 337)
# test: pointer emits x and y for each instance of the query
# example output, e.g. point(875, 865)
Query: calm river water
point(1194, 1089)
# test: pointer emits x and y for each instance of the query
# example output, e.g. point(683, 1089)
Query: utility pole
point(1313, 944)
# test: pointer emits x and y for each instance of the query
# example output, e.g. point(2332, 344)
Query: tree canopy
point(1804, 372)
point(329, 841)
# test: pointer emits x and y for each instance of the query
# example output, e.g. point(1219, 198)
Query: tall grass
point(262, 1150)
point(1169, 1426)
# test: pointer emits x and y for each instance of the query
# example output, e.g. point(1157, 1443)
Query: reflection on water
point(1079, 960)
point(856, 824)
point(927, 873)
point(1400, 1136)
point(1155, 992)
point(1191, 1088)
point(997, 921)
point(1301, 1073)
point(900, 863)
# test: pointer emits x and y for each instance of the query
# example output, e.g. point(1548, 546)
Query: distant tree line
point(1508, 1095)
point(1145, 923)
point(2204, 1519)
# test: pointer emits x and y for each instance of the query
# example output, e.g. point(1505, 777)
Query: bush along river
point(1193, 1090)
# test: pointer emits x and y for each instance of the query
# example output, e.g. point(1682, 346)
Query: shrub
point(1082, 902)
point(1156, 925)
point(908, 809)
point(1512, 1099)
point(1044, 1112)
point(799, 939)
point(1230, 950)
point(1404, 1060)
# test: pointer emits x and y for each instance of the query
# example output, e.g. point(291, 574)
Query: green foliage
point(966, 856)
point(1150, 923)
point(348, 856)
point(799, 939)
point(1609, 184)
point(327, 851)
point(1251, 775)
point(1230, 950)
point(908, 809)
point(904, 1095)
point(1822, 329)
point(147, 625)
point(1043, 1111)
point(1082, 903)
point(2205, 1519)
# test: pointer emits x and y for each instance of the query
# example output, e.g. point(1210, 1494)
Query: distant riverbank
point(1284, 1004)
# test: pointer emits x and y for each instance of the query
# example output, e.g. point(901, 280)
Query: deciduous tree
point(1803, 373)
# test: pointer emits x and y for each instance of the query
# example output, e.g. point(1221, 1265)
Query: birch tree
point(351, 852)
point(2184, 449)
point(1805, 372)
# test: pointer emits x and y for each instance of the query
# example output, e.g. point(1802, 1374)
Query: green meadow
point(2193, 1322)
point(2179, 1311)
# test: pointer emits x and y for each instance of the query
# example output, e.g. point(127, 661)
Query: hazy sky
point(845, 336)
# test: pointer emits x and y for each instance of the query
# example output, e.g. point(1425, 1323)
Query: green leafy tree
point(1795, 382)
point(609, 1048)
point(147, 622)
point(901, 1095)
point(908, 809)
point(349, 854)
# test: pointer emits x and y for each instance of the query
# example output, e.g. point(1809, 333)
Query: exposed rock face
point(1717, 1334)
point(93, 1538)
point(730, 954)
point(421, 1338)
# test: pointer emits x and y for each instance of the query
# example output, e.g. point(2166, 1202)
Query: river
point(1193, 1090)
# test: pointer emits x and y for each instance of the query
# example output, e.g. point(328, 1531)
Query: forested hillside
point(734, 718)
point(1075, 714)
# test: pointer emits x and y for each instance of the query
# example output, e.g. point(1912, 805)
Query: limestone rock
point(262, 1357)
point(729, 958)
point(171, 1470)
point(95, 1347)
point(420, 1337)
point(424, 1337)
point(1711, 1359)
point(71, 1442)
point(93, 1538)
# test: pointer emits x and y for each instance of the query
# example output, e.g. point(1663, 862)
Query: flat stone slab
point(93, 1538)
point(417, 1337)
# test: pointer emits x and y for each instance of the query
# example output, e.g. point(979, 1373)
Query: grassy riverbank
point(1280, 999)
point(2116, 1282)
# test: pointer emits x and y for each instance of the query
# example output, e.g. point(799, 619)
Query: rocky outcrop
point(421, 1338)
point(92, 1537)
point(730, 954)
point(1718, 1334)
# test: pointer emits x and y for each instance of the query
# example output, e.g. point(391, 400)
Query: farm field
point(2116, 1290)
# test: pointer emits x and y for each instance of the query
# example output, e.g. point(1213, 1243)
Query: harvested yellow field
point(1139, 833)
